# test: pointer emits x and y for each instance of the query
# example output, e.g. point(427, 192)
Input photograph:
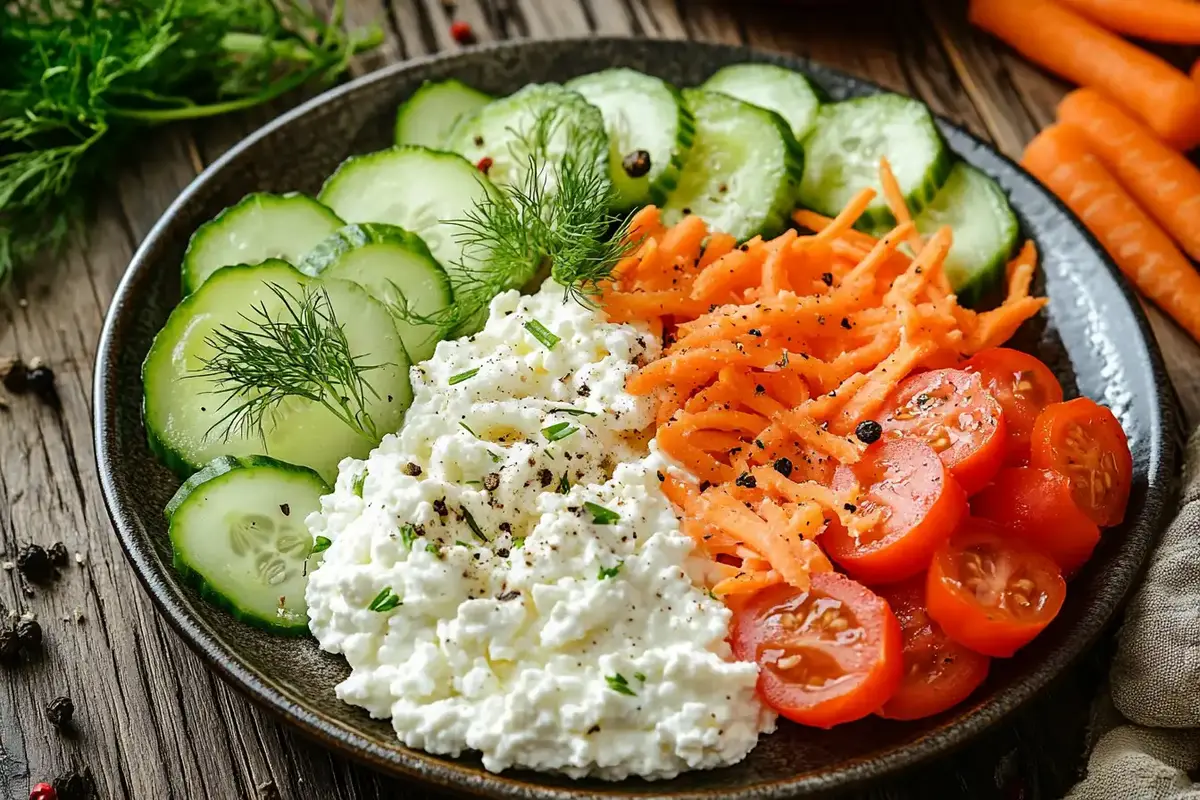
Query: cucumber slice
point(183, 414)
point(741, 174)
point(428, 116)
point(787, 93)
point(506, 130)
point(418, 189)
point(238, 534)
point(259, 227)
point(643, 113)
point(841, 156)
point(985, 231)
point(395, 267)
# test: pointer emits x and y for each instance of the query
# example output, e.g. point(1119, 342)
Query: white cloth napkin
point(1155, 679)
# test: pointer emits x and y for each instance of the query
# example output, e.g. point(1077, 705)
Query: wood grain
point(151, 721)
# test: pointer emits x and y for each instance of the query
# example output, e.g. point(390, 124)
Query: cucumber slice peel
point(985, 231)
point(429, 115)
point(396, 268)
point(842, 156)
point(641, 113)
point(787, 93)
point(183, 410)
point(259, 227)
point(741, 174)
point(237, 533)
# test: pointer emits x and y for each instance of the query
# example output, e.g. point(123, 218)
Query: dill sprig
point(79, 78)
point(302, 352)
point(557, 222)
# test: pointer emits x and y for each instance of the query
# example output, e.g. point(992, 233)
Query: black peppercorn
point(29, 632)
point(10, 643)
point(636, 164)
point(491, 481)
point(34, 563)
point(412, 470)
point(58, 554)
point(746, 480)
point(40, 380)
point(783, 466)
point(15, 379)
point(868, 431)
point(60, 711)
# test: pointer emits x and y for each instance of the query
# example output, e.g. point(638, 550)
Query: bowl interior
point(1093, 335)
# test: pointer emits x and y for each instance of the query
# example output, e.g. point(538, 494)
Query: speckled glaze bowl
point(1093, 334)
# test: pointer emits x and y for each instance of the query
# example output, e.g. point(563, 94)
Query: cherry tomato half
point(827, 655)
point(939, 673)
point(1023, 386)
point(1084, 442)
point(1038, 506)
point(951, 411)
point(990, 591)
point(918, 505)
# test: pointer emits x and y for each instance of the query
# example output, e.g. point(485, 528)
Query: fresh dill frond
point(556, 222)
point(79, 79)
point(301, 352)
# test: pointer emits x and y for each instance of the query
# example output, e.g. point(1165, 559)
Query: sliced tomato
point(1038, 506)
point(827, 655)
point(1023, 386)
point(907, 489)
point(951, 411)
point(991, 591)
point(1084, 441)
point(939, 673)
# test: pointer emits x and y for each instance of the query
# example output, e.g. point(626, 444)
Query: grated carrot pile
point(774, 351)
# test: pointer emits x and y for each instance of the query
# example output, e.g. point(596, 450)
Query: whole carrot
point(1164, 182)
point(1059, 158)
point(1175, 21)
point(1069, 45)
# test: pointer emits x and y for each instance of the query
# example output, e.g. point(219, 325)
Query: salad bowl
point(1092, 333)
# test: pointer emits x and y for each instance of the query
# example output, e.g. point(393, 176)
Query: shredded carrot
point(774, 351)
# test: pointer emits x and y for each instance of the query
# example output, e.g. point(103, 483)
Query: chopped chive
point(384, 601)
point(467, 428)
point(408, 535)
point(359, 480)
point(564, 485)
point(321, 544)
point(619, 685)
point(610, 572)
point(641, 676)
point(473, 525)
point(542, 334)
point(558, 431)
point(518, 542)
point(430, 547)
point(496, 457)
point(576, 412)
point(601, 515)
point(463, 376)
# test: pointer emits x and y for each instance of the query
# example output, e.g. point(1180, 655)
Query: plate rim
point(451, 775)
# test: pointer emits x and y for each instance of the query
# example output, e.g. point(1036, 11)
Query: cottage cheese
point(515, 623)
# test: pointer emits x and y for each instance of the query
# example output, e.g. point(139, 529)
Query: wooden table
point(151, 721)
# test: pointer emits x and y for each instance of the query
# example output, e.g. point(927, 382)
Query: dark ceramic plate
point(1094, 335)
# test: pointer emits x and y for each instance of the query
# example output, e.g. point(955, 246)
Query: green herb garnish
point(321, 544)
point(430, 547)
point(384, 601)
point(82, 80)
point(619, 685)
point(518, 542)
point(360, 480)
point(576, 412)
point(408, 535)
point(463, 376)
point(473, 525)
point(558, 431)
point(543, 334)
point(300, 352)
point(601, 515)
point(467, 428)
point(641, 676)
point(564, 485)
point(610, 572)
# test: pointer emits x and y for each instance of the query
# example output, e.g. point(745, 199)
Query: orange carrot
point(1163, 182)
point(1175, 21)
point(1059, 158)
point(1071, 46)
